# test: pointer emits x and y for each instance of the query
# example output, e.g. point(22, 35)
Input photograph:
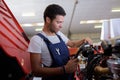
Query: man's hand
point(71, 66)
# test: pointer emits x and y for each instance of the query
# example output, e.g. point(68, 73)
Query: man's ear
point(48, 20)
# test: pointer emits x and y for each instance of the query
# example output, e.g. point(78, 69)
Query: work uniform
point(53, 50)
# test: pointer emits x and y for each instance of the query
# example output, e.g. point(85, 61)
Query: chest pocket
point(58, 51)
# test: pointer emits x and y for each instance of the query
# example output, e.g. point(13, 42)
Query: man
point(48, 49)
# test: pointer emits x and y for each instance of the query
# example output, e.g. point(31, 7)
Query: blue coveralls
point(60, 56)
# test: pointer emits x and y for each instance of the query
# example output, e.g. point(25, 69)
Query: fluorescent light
point(98, 26)
point(39, 24)
point(83, 22)
point(91, 21)
point(26, 25)
point(38, 29)
point(115, 10)
point(28, 14)
point(32, 24)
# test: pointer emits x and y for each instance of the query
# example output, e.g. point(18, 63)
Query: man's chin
point(56, 31)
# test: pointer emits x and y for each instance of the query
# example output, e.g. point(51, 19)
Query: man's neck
point(48, 33)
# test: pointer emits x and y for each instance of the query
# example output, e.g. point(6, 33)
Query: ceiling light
point(97, 26)
point(39, 24)
point(26, 25)
point(91, 21)
point(28, 14)
point(32, 24)
point(115, 10)
point(38, 29)
point(83, 22)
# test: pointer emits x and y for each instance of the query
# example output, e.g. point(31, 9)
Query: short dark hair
point(52, 10)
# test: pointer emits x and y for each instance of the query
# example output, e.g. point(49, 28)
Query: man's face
point(56, 24)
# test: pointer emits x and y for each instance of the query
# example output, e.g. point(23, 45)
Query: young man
point(49, 54)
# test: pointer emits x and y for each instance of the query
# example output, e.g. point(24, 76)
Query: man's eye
point(59, 22)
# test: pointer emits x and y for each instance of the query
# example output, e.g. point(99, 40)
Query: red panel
point(73, 51)
point(13, 39)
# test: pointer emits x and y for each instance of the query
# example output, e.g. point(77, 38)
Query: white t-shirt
point(37, 45)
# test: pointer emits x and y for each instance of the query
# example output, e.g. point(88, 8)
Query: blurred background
point(84, 17)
